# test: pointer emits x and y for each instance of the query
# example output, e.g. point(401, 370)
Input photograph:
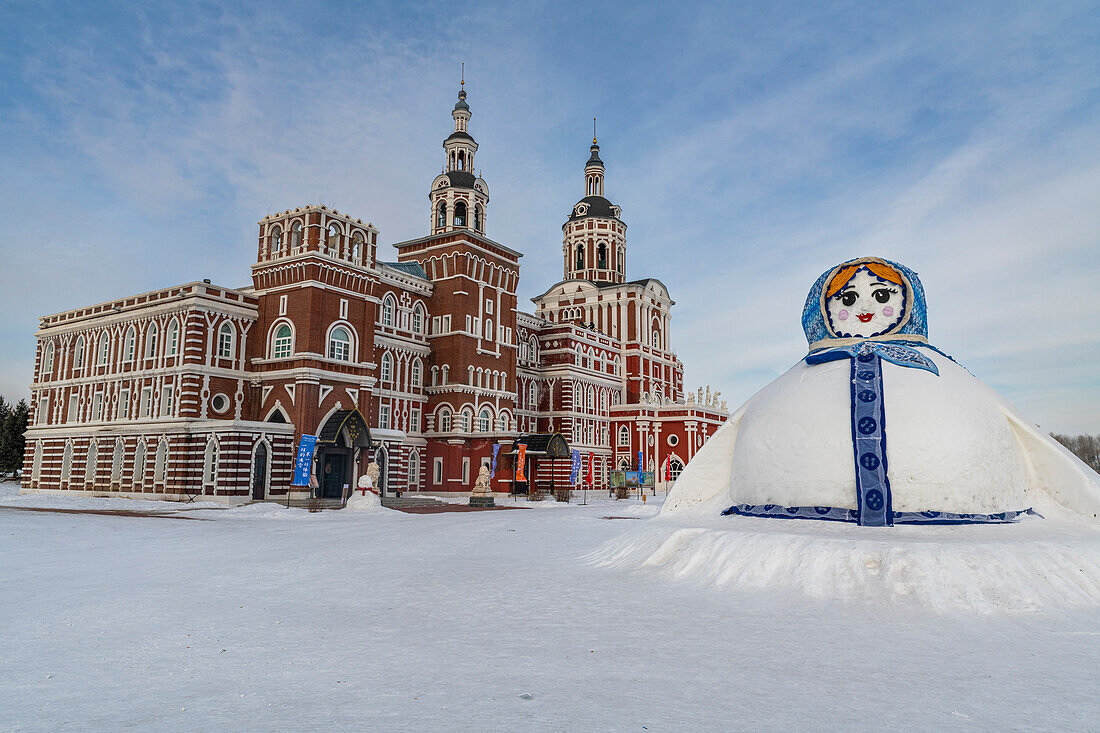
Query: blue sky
point(751, 145)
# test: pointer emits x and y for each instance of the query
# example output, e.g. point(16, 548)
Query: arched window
point(47, 360)
point(151, 337)
point(160, 463)
point(624, 435)
point(130, 344)
point(139, 465)
point(534, 349)
point(387, 311)
point(357, 248)
point(387, 368)
point(172, 338)
point(601, 256)
point(461, 160)
point(339, 344)
point(656, 339)
point(580, 257)
point(210, 465)
point(502, 422)
point(89, 467)
point(333, 237)
point(414, 471)
point(104, 349)
point(478, 218)
point(460, 214)
point(67, 462)
point(225, 341)
point(444, 420)
point(275, 241)
point(488, 330)
point(467, 420)
point(533, 394)
point(415, 372)
point(296, 234)
point(441, 215)
point(619, 260)
point(283, 345)
point(675, 468)
point(116, 463)
point(78, 353)
point(485, 421)
point(418, 319)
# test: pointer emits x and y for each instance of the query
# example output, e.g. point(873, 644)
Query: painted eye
point(882, 295)
point(848, 298)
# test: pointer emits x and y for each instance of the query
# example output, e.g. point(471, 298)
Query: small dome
point(594, 206)
point(461, 103)
point(594, 159)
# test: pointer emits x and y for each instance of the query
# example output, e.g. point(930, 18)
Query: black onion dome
point(597, 206)
point(461, 103)
point(459, 135)
point(594, 159)
point(461, 179)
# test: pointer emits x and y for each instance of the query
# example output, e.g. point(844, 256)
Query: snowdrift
point(1036, 565)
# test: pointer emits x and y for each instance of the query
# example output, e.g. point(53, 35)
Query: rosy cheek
point(842, 315)
point(888, 311)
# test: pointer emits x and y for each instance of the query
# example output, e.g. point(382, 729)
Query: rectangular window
point(145, 404)
point(469, 323)
point(97, 406)
point(489, 306)
point(447, 323)
point(282, 305)
point(166, 394)
point(414, 420)
point(437, 470)
point(344, 308)
point(435, 324)
point(122, 407)
point(74, 403)
point(384, 417)
point(43, 408)
point(225, 344)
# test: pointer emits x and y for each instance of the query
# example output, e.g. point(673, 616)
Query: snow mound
point(1036, 565)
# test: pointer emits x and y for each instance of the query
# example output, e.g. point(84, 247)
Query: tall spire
point(459, 197)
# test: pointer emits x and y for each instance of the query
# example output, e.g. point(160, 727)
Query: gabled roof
point(552, 445)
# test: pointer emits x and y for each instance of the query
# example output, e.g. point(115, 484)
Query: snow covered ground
point(264, 618)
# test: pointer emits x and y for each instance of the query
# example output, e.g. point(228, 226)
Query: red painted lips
point(865, 317)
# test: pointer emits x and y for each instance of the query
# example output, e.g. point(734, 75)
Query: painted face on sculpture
point(867, 305)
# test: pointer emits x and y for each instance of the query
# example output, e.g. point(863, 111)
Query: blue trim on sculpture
point(773, 511)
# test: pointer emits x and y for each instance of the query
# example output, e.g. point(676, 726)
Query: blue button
point(869, 461)
point(867, 425)
point(873, 500)
point(866, 395)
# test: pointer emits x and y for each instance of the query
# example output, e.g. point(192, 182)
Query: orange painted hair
point(882, 270)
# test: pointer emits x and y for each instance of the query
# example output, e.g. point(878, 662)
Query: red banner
point(591, 468)
point(521, 457)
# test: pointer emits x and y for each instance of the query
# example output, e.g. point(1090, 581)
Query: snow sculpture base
point(1031, 566)
point(360, 502)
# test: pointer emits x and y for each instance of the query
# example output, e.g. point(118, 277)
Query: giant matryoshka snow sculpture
point(878, 427)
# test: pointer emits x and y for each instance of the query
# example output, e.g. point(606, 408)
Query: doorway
point(259, 472)
point(333, 475)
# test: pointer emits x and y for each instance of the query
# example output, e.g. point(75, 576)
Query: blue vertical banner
point(576, 467)
point(306, 446)
point(493, 465)
point(640, 461)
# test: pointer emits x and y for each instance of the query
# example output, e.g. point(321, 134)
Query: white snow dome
point(876, 426)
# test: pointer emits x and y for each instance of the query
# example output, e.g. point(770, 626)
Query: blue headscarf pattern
point(813, 316)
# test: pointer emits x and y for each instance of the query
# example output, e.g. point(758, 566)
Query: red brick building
point(423, 364)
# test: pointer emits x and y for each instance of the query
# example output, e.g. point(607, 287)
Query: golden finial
point(462, 80)
point(593, 130)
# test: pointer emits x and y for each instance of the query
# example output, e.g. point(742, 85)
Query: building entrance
point(333, 475)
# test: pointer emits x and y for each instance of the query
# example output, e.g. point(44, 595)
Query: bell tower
point(459, 198)
point(594, 237)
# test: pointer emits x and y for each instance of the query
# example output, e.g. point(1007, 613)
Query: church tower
point(459, 198)
point(594, 237)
